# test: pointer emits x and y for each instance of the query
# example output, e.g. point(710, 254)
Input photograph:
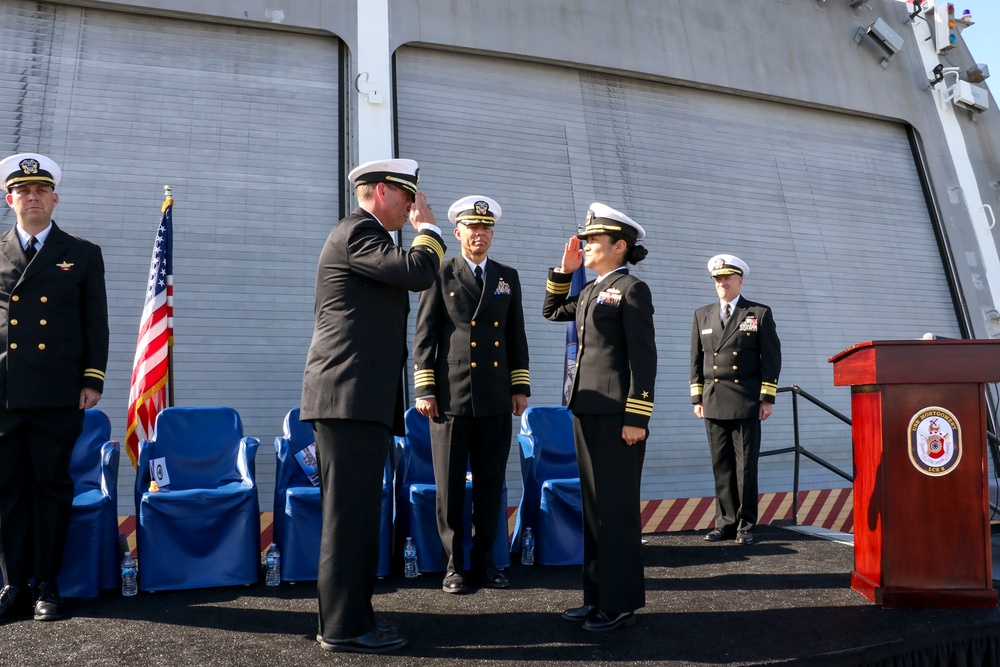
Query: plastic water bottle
point(272, 561)
point(129, 570)
point(528, 547)
point(410, 559)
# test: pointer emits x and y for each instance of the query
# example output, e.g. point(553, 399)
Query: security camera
point(938, 73)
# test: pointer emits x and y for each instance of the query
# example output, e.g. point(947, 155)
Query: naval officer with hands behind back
point(612, 400)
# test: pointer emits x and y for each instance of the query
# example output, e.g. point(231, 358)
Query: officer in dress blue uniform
point(611, 398)
point(470, 374)
point(352, 388)
point(53, 354)
point(735, 362)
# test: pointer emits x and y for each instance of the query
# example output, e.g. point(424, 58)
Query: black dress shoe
point(48, 604)
point(744, 537)
point(717, 535)
point(494, 578)
point(454, 583)
point(376, 641)
point(603, 621)
point(581, 614)
point(14, 602)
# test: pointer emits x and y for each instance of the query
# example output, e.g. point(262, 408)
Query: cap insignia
point(718, 264)
point(482, 208)
point(29, 166)
point(416, 176)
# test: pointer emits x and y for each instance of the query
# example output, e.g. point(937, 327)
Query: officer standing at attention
point(352, 388)
point(53, 354)
point(735, 362)
point(612, 400)
point(470, 375)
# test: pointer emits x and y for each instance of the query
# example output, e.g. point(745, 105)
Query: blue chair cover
point(91, 559)
point(560, 523)
point(204, 528)
point(298, 514)
point(416, 495)
point(548, 461)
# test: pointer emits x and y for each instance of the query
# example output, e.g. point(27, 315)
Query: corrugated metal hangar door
point(827, 209)
point(243, 124)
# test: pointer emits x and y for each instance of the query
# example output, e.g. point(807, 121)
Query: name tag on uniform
point(705, 331)
point(610, 297)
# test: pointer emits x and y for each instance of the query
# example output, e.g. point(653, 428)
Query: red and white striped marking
point(832, 509)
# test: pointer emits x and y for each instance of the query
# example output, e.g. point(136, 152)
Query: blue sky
point(983, 39)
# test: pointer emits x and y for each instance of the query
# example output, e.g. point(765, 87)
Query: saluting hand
point(420, 211)
point(572, 255)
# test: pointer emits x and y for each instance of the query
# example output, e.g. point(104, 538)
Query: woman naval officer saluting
point(611, 398)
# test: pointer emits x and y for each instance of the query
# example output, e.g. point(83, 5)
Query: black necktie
point(729, 311)
point(479, 277)
point(31, 251)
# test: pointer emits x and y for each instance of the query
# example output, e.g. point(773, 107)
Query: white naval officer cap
point(399, 172)
point(727, 265)
point(475, 210)
point(29, 168)
point(602, 219)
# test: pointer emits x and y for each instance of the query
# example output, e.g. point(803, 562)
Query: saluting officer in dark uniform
point(53, 354)
point(735, 362)
point(352, 389)
point(612, 400)
point(470, 375)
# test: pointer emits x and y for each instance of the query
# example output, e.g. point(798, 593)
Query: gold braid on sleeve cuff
point(423, 378)
point(519, 376)
point(552, 287)
point(639, 407)
point(431, 243)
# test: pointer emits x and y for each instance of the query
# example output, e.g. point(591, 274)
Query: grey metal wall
point(205, 96)
point(243, 123)
point(826, 208)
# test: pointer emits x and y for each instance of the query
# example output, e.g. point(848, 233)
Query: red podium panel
point(921, 508)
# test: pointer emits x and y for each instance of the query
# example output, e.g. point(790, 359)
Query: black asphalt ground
point(784, 600)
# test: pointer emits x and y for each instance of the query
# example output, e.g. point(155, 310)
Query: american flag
point(569, 368)
point(148, 393)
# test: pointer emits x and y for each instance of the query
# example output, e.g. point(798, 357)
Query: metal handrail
point(799, 450)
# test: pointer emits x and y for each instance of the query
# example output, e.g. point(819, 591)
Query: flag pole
point(152, 367)
point(168, 200)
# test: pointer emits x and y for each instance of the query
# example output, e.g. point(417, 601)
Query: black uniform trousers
point(481, 445)
point(610, 477)
point(36, 491)
point(351, 456)
point(735, 447)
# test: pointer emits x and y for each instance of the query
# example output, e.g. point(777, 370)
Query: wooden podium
point(921, 509)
